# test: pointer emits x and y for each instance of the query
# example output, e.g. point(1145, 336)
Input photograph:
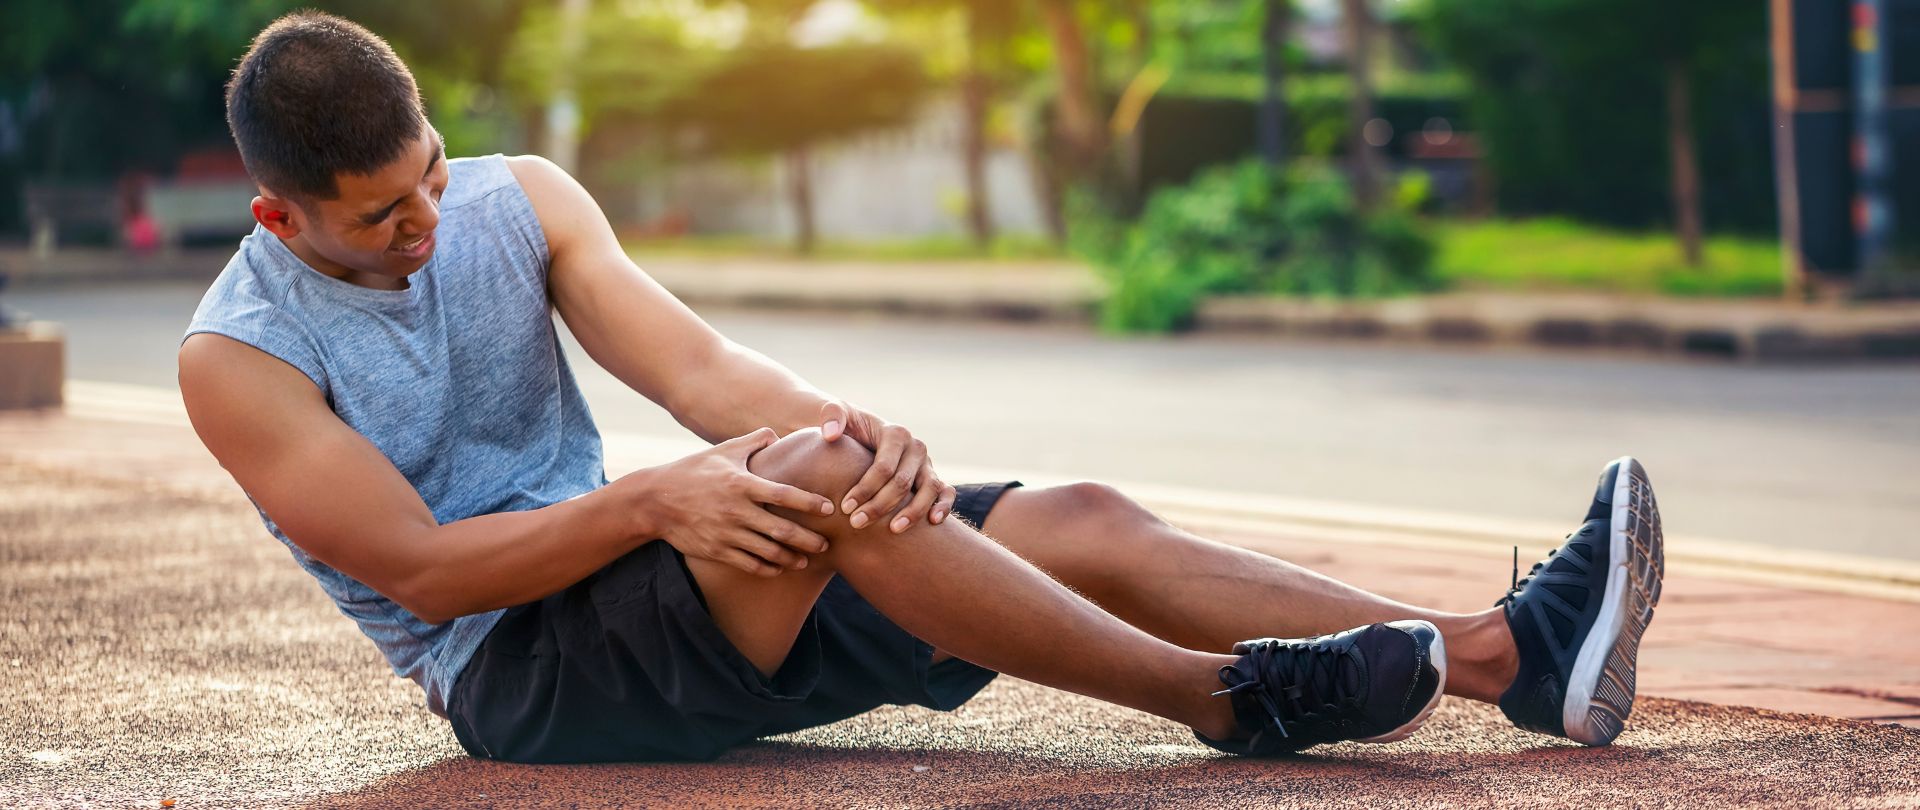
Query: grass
point(926, 249)
point(1556, 254)
point(1534, 255)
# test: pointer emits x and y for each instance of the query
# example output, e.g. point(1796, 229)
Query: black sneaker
point(1578, 615)
point(1374, 684)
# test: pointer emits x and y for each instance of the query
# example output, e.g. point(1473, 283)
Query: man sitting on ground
point(379, 369)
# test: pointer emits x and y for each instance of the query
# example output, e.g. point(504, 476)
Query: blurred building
point(898, 184)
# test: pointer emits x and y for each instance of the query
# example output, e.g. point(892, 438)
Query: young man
point(378, 369)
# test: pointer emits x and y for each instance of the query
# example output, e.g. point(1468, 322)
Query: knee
point(1092, 502)
point(806, 460)
point(1094, 517)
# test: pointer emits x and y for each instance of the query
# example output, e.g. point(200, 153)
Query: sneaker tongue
point(1332, 678)
point(1349, 669)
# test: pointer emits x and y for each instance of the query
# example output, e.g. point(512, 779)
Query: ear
point(276, 215)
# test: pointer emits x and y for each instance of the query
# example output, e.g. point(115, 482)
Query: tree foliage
point(1568, 99)
point(772, 98)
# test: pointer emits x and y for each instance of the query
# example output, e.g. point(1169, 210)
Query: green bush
point(1248, 228)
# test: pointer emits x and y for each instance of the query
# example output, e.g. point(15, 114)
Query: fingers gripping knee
point(807, 460)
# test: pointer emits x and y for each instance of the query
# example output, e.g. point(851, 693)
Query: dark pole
point(1873, 161)
point(1273, 108)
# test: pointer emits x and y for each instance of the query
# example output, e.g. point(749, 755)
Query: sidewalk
point(1746, 330)
point(169, 649)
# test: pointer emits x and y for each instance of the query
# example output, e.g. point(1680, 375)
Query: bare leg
point(1205, 595)
point(951, 586)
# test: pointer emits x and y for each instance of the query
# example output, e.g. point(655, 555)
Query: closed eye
point(381, 215)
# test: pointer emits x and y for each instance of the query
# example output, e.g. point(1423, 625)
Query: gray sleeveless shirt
point(459, 380)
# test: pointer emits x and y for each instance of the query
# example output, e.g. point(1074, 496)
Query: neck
point(329, 267)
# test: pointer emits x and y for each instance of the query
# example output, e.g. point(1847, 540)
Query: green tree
point(1573, 97)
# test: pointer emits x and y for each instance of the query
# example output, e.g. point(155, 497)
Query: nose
point(423, 215)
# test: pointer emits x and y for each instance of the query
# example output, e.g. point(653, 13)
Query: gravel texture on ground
point(160, 645)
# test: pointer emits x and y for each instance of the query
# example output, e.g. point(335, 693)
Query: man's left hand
point(901, 472)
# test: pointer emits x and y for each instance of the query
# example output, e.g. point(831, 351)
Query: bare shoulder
point(566, 211)
point(239, 397)
point(210, 363)
point(536, 170)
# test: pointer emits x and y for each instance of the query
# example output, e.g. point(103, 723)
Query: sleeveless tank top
point(460, 380)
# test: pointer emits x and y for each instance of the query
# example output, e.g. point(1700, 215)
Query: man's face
point(381, 223)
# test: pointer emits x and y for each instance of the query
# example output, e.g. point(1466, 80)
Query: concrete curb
point(94, 265)
point(1038, 291)
point(1752, 331)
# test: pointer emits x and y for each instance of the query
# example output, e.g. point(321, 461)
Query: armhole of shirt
point(277, 343)
point(527, 222)
point(506, 197)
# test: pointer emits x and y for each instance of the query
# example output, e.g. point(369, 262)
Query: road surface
point(1811, 458)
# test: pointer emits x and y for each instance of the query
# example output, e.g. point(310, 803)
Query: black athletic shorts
point(626, 665)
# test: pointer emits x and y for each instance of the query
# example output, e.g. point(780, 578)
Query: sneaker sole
point(1600, 689)
point(1437, 654)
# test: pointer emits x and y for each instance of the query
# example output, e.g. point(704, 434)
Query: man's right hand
point(709, 506)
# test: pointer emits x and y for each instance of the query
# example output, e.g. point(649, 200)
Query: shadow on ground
point(158, 644)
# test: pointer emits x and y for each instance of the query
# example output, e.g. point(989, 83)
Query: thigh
point(1083, 534)
point(761, 616)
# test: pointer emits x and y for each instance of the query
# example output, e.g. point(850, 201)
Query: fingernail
point(801, 564)
point(859, 519)
point(899, 524)
point(831, 427)
point(847, 505)
point(939, 516)
point(826, 507)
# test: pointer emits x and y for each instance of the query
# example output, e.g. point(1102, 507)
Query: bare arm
point(647, 338)
point(338, 498)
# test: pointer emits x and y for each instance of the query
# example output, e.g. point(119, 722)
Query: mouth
point(415, 249)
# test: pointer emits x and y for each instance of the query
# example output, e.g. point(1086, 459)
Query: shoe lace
point(1291, 680)
point(1519, 582)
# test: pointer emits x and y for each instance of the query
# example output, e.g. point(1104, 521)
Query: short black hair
point(318, 95)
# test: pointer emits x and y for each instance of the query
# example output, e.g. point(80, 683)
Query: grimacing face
point(379, 229)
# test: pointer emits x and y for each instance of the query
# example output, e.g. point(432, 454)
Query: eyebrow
point(375, 217)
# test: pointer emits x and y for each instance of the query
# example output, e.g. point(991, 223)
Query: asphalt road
point(166, 649)
point(1812, 458)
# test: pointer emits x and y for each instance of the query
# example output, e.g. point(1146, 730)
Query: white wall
point(897, 184)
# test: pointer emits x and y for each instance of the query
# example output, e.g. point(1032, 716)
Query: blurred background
point(1442, 256)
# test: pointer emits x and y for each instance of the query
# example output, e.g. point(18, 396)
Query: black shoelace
point(1520, 582)
point(1306, 668)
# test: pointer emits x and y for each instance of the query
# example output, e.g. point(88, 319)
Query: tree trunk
point(1685, 171)
point(974, 98)
point(1076, 111)
point(563, 110)
point(1131, 149)
point(800, 195)
point(1273, 100)
point(1363, 157)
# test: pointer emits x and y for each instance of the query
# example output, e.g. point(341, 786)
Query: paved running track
point(157, 645)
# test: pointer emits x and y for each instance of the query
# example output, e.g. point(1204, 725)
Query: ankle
point(1481, 657)
point(1212, 715)
point(1215, 720)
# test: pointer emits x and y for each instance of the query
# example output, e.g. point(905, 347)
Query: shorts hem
point(798, 674)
